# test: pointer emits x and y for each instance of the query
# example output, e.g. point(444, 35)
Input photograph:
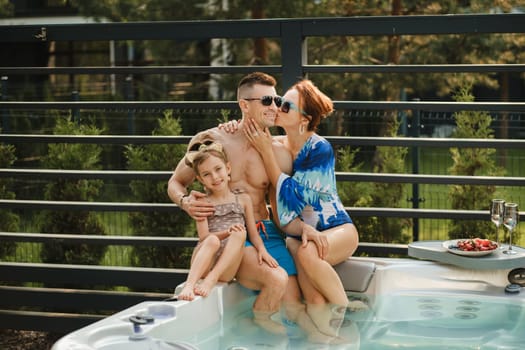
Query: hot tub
point(412, 304)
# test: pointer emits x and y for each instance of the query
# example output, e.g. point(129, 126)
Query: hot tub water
point(412, 305)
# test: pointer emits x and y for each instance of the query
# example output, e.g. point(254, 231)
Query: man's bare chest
point(248, 169)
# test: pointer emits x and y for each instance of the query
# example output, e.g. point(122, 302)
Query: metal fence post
point(415, 132)
point(75, 112)
point(130, 96)
point(293, 48)
point(5, 112)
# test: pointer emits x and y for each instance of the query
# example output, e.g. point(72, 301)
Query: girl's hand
point(197, 206)
point(320, 240)
point(230, 127)
point(260, 139)
point(267, 258)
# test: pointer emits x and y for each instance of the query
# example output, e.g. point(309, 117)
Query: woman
point(320, 232)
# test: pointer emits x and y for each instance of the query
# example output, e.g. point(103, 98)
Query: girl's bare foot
point(204, 287)
point(187, 292)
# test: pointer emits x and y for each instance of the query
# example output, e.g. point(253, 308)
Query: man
point(258, 100)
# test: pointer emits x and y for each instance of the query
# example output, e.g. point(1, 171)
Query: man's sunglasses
point(267, 100)
point(287, 105)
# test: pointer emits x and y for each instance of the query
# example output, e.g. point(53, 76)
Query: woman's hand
point(197, 206)
point(230, 127)
point(236, 228)
point(320, 240)
point(261, 140)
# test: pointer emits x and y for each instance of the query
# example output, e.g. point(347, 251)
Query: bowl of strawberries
point(470, 246)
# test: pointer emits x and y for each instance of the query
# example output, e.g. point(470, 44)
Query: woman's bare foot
point(204, 287)
point(328, 318)
point(187, 292)
point(264, 320)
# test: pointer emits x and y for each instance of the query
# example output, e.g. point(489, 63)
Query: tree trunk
point(260, 54)
point(388, 125)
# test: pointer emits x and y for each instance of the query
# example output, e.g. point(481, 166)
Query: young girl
point(218, 254)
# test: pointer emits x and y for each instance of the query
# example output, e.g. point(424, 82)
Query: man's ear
point(243, 105)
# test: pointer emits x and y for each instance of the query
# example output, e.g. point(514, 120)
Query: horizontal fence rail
point(271, 69)
point(350, 141)
point(168, 207)
point(372, 105)
point(270, 28)
point(187, 242)
point(49, 174)
point(98, 275)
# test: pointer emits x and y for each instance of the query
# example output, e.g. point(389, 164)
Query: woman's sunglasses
point(267, 100)
point(287, 105)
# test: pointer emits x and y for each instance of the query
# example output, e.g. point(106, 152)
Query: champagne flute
point(510, 221)
point(496, 216)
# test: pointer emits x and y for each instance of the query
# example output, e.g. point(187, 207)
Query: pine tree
point(177, 223)
point(80, 157)
point(472, 162)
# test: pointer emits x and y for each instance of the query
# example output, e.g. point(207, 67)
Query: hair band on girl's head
point(198, 148)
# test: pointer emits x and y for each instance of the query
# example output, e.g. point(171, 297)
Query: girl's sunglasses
point(195, 147)
point(267, 100)
point(287, 105)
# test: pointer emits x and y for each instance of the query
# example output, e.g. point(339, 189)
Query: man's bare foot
point(264, 320)
point(204, 287)
point(186, 293)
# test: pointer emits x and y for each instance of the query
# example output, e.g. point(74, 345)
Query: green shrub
point(175, 223)
point(365, 194)
point(389, 195)
point(80, 157)
point(355, 193)
point(9, 221)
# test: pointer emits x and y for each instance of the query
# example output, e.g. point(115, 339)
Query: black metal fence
point(292, 35)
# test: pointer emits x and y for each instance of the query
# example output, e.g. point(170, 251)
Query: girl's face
point(214, 173)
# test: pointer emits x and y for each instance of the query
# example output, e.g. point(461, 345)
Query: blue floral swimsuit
point(311, 192)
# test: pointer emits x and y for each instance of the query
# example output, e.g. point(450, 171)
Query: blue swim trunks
point(275, 245)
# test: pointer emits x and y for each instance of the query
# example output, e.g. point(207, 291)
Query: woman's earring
point(301, 129)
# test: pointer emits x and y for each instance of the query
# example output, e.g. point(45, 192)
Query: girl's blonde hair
point(203, 151)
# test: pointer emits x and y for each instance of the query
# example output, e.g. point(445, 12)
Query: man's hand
point(197, 206)
point(230, 127)
point(311, 234)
